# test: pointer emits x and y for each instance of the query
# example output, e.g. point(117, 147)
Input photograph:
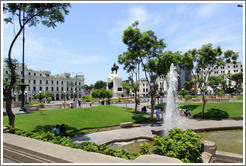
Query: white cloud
point(146, 20)
point(208, 10)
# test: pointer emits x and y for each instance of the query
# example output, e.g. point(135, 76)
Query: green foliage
point(119, 99)
point(41, 105)
point(100, 84)
point(40, 96)
point(187, 85)
point(188, 97)
point(49, 95)
point(102, 93)
point(93, 147)
point(66, 141)
point(221, 93)
point(86, 98)
point(49, 99)
point(183, 92)
point(31, 102)
point(185, 146)
point(238, 78)
point(144, 149)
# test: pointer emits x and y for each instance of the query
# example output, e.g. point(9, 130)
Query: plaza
point(175, 90)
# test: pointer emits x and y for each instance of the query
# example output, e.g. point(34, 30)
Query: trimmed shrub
point(185, 146)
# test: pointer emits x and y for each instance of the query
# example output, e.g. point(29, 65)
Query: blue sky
point(90, 39)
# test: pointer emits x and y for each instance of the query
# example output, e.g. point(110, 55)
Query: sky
point(90, 39)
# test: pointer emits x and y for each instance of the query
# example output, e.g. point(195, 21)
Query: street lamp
point(23, 85)
point(74, 95)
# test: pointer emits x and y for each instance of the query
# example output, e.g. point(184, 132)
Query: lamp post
point(23, 85)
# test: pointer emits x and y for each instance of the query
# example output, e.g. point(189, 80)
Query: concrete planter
point(34, 107)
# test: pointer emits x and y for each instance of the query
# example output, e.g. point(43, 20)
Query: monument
point(114, 82)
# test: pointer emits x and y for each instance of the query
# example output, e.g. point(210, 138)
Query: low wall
point(219, 156)
point(210, 100)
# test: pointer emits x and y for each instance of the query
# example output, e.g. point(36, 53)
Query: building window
point(52, 89)
point(146, 90)
point(143, 90)
point(57, 88)
point(241, 70)
point(57, 82)
point(29, 73)
point(34, 88)
point(228, 67)
point(34, 81)
point(62, 88)
point(47, 82)
point(6, 79)
point(34, 74)
point(40, 81)
point(29, 81)
point(229, 71)
point(29, 88)
point(6, 72)
point(40, 88)
point(143, 84)
point(62, 82)
point(47, 88)
point(52, 82)
point(40, 75)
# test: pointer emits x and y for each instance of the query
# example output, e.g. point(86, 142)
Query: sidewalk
point(105, 137)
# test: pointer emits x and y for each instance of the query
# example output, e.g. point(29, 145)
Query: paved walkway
point(103, 137)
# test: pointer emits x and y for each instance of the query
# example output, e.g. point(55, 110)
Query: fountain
point(171, 117)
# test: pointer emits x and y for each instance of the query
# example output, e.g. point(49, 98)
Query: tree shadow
point(138, 117)
point(213, 113)
point(46, 128)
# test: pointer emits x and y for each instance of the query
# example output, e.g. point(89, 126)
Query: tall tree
point(130, 59)
point(207, 60)
point(49, 14)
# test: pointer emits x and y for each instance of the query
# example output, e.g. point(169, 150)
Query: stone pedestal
point(114, 82)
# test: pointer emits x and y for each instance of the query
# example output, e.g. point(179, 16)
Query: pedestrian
point(63, 130)
point(157, 114)
point(90, 104)
point(79, 103)
point(56, 131)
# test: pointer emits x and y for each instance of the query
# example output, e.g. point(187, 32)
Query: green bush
point(41, 105)
point(144, 149)
point(185, 146)
point(49, 99)
point(66, 141)
point(31, 102)
point(187, 97)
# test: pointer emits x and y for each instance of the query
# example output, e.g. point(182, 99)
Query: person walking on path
point(157, 114)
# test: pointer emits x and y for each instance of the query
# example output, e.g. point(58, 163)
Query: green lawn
point(240, 97)
point(228, 110)
point(74, 119)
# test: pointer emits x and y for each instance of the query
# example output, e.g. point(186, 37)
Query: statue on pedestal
point(114, 68)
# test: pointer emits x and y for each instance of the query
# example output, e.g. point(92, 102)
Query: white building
point(43, 81)
point(226, 69)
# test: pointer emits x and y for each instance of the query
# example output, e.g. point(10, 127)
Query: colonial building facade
point(61, 85)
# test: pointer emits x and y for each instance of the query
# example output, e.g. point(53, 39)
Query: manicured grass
point(75, 119)
point(240, 97)
point(228, 110)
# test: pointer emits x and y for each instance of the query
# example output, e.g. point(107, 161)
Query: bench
point(127, 124)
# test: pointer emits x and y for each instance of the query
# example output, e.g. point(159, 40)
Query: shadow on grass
point(49, 128)
point(213, 113)
point(138, 117)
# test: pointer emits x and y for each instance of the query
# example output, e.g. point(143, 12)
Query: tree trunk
point(10, 114)
point(203, 106)
point(136, 102)
point(152, 108)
